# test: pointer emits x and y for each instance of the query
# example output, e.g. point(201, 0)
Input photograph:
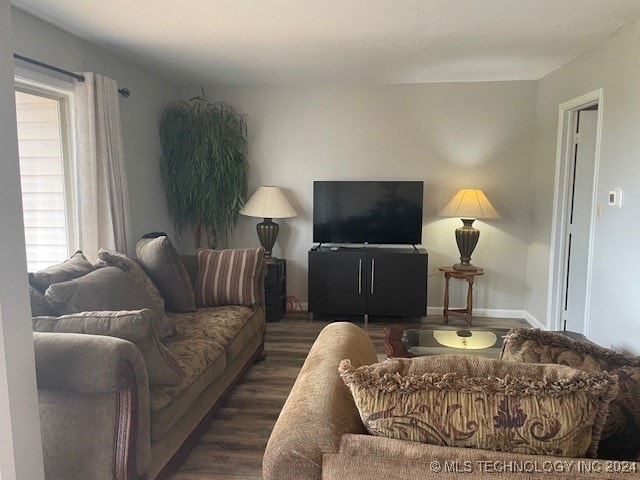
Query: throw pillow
point(229, 277)
point(134, 326)
point(107, 288)
point(75, 266)
point(474, 402)
point(161, 262)
point(134, 270)
point(621, 433)
point(39, 305)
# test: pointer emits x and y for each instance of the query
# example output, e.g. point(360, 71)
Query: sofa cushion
point(138, 275)
point(621, 433)
point(231, 326)
point(229, 277)
point(134, 270)
point(39, 305)
point(202, 362)
point(485, 403)
point(134, 326)
point(190, 263)
point(75, 266)
point(201, 346)
point(161, 262)
point(107, 288)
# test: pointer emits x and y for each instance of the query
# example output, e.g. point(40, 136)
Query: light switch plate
point(615, 197)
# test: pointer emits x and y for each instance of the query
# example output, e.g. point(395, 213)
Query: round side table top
point(477, 271)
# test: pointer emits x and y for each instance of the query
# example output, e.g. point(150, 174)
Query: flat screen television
point(367, 212)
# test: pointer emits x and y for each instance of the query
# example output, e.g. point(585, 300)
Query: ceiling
point(312, 42)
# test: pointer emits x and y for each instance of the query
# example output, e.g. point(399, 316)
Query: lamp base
point(465, 267)
point(467, 238)
point(267, 234)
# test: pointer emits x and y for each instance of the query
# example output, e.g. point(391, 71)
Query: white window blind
point(45, 199)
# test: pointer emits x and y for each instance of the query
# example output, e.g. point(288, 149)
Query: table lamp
point(268, 202)
point(468, 205)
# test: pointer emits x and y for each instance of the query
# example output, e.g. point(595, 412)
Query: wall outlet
point(615, 198)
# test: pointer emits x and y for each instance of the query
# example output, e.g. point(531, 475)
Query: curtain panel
point(101, 185)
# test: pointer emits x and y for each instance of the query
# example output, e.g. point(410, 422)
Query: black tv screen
point(367, 212)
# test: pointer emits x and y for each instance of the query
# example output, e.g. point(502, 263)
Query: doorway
point(575, 212)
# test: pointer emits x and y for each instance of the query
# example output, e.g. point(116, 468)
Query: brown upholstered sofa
point(101, 419)
point(319, 434)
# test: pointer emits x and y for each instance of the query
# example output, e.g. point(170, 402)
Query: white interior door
point(579, 221)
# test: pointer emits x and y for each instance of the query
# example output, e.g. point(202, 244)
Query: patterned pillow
point(134, 326)
point(160, 260)
point(621, 433)
point(474, 402)
point(75, 266)
point(229, 277)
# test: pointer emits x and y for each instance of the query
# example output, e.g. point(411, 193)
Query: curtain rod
point(124, 92)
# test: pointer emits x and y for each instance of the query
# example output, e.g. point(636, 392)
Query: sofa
point(320, 435)
point(101, 416)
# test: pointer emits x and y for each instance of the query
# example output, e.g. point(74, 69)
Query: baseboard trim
point(484, 312)
point(534, 321)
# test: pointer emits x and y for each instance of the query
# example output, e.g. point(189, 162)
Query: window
point(46, 174)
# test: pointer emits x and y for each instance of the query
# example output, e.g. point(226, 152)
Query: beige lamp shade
point(268, 202)
point(470, 203)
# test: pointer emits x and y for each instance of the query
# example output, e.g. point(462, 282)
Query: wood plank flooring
point(232, 446)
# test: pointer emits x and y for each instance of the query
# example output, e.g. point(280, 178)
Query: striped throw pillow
point(229, 277)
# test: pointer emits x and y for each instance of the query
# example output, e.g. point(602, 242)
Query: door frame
point(561, 197)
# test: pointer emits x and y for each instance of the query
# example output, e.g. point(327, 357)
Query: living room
point(497, 133)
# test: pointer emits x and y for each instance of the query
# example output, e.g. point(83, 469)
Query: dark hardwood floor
point(232, 446)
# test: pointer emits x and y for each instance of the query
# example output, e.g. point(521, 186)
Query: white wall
point(614, 67)
point(449, 135)
point(140, 112)
point(20, 444)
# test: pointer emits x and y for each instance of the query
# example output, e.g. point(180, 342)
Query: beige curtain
point(102, 194)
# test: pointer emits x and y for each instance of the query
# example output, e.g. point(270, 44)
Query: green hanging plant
point(204, 166)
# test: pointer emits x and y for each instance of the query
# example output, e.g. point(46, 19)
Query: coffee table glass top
point(468, 341)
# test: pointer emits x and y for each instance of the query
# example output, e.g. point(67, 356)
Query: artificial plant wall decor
point(204, 166)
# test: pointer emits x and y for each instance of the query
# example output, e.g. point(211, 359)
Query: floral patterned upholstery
point(218, 324)
point(194, 356)
point(463, 401)
point(200, 345)
point(621, 433)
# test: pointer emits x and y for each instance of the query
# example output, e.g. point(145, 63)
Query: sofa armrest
point(319, 409)
point(362, 457)
point(94, 406)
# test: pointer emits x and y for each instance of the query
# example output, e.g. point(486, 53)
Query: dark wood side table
point(275, 290)
point(468, 276)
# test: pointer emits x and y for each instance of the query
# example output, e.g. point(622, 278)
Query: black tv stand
point(378, 281)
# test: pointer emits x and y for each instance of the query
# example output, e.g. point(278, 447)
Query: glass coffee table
point(414, 341)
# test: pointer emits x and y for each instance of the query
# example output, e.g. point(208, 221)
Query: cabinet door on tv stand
point(336, 282)
point(397, 284)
